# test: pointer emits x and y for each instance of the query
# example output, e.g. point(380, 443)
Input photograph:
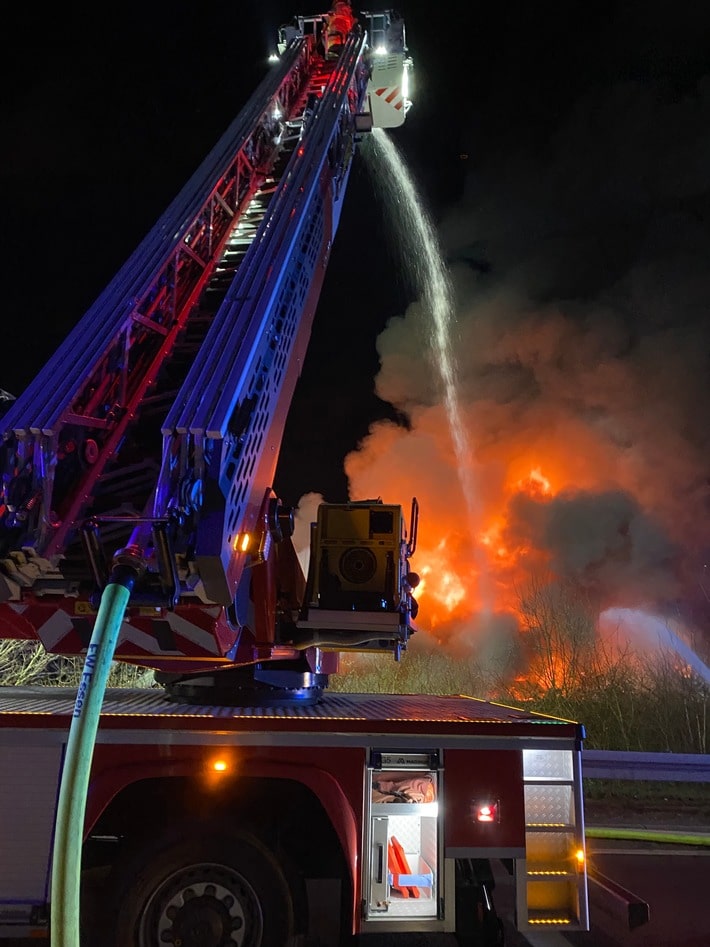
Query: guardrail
point(615, 907)
point(666, 767)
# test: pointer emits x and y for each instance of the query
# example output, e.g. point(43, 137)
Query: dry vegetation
point(26, 663)
point(626, 701)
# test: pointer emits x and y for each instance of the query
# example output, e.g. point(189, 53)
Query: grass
point(662, 794)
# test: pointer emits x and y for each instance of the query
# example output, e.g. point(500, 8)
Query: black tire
point(206, 889)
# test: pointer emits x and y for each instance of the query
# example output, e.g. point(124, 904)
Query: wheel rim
point(205, 905)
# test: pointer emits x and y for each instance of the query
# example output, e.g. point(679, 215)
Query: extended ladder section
point(82, 435)
point(157, 424)
point(225, 426)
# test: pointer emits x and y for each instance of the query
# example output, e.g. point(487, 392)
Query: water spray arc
point(424, 261)
point(650, 631)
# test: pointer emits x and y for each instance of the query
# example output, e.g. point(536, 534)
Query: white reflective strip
point(278, 736)
point(54, 629)
point(145, 641)
point(59, 625)
point(198, 636)
point(281, 736)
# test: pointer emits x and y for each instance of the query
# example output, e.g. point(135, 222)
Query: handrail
point(666, 767)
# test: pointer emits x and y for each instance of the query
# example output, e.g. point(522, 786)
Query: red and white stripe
point(393, 95)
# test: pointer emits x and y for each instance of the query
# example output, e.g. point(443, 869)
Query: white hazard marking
point(58, 626)
point(146, 642)
point(198, 636)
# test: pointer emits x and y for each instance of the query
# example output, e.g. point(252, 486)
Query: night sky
point(563, 152)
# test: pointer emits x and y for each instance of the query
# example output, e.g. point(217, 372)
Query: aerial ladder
point(153, 432)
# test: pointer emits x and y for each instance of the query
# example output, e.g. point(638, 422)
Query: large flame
point(542, 508)
point(472, 564)
point(554, 378)
point(471, 573)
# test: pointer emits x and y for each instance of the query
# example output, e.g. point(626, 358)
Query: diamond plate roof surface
point(153, 703)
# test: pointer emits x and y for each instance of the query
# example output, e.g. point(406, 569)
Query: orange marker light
point(242, 542)
point(220, 768)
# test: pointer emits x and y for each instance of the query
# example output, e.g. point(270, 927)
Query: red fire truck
point(239, 802)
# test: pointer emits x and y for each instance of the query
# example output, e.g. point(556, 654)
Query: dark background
point(108, 111)
point(105, 119)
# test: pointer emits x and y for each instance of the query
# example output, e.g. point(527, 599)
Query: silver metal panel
point(549, 804)
point(29, 781)
point(378, 885)
point(541, 764)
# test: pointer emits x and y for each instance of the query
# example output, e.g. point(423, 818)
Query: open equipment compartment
point(404, 838)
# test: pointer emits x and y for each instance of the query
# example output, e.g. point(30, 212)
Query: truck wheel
point(200, 891)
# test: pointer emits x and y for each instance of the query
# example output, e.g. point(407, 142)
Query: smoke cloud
point(581, 335)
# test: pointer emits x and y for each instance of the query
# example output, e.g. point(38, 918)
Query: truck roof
point(397, 715)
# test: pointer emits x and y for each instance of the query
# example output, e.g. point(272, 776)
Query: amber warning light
point(485, 810)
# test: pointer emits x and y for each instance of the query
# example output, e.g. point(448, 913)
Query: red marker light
point(485, 811)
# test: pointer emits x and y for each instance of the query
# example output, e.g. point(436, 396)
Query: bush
point(27, 663)
point(625, 701)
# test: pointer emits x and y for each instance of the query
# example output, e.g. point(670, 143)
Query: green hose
point(71, 808)
point(649, 835)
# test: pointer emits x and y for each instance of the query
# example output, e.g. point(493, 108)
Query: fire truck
point(238, 800)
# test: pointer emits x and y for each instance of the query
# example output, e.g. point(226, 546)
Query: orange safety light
point(242, 542)
point(219, 768)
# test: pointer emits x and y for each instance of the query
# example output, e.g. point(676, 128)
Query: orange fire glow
point(536, 484)
point(552, 499)
point(486, 575)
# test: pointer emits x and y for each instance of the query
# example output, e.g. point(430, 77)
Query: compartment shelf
point(548, 780)
point(405, 808)
point(422, 878)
